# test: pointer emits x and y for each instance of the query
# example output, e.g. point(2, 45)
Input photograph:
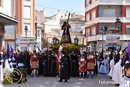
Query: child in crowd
point(125, 82)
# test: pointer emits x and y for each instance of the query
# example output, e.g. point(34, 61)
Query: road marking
point(78, 83)
point(76, 86)
point(54, 84)
point(41, 86)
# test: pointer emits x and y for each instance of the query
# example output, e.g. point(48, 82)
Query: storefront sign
point(112, 38)
point(22, 40)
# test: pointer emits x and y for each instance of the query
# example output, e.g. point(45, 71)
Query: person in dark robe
point(53, 69)
point(74, 60)
point(28, 63)
point(66, 34)
point(64, 67)
point(21, 63)
point(40, 64)
point(45, 64)
point(96, 67)
point(49, 62)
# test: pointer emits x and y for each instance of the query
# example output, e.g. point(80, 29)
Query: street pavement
point(98, 81)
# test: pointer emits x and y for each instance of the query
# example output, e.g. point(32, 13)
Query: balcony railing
point(110, 15)
point(111, 2)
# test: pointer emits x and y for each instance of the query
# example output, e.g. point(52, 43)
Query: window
point(109, 13)
point(76, 27)
point(88, 2)
point(127, 12)
point(28, 27)
point(88, 32)
point(110, 28)
point(27, 12)
point(128, 30)
point(88, 17)
point(93, 31)
point(93, 14)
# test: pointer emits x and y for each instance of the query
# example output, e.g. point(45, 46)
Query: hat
point(44, 49)
point(61, 47)
point(34, 48)
point(126, 62)
point(90, 48)
point(81, 50)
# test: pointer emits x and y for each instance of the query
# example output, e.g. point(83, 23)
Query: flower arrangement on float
point(68, 46)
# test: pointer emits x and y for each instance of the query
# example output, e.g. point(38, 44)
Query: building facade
point(24, 11)
point(103, 13)
point(8, 22)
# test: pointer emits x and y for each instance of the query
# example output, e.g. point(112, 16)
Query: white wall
point(6, 8)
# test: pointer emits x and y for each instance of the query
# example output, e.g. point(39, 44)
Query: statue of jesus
point(66, 34)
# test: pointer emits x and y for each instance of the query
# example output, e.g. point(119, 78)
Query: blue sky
point(65, 5)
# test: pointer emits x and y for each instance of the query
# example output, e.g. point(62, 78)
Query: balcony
point(99, 37)
point(110, 2)
point(110, 15)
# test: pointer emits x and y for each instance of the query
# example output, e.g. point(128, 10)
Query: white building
point(100, 13)
point(52, 26)
point(39, 27)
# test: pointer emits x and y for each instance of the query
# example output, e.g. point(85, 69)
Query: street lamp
point(103, 30)
point(118, 24)
point(26, 30)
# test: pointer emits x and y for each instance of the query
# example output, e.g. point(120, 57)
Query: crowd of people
point(47, 63)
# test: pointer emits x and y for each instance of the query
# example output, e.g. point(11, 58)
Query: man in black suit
point(64, 67)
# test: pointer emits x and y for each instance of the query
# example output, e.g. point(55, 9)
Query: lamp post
point(26, 31)
point(103, 30)
point(118, 24)
point(15, 26)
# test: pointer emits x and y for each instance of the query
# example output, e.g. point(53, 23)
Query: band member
point(74, 65)
point(34, 62)
point(64, 67)
point(53, 71)
point(91, 62)
point(82, 64)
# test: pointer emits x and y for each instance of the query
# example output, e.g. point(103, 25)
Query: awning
point(111, 45)
point(7, 20)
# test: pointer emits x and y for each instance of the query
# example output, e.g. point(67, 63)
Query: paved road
point(74, 82)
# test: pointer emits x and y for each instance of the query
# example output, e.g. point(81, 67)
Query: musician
point(82, 64)
point(66, 34)
point(91, 58)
